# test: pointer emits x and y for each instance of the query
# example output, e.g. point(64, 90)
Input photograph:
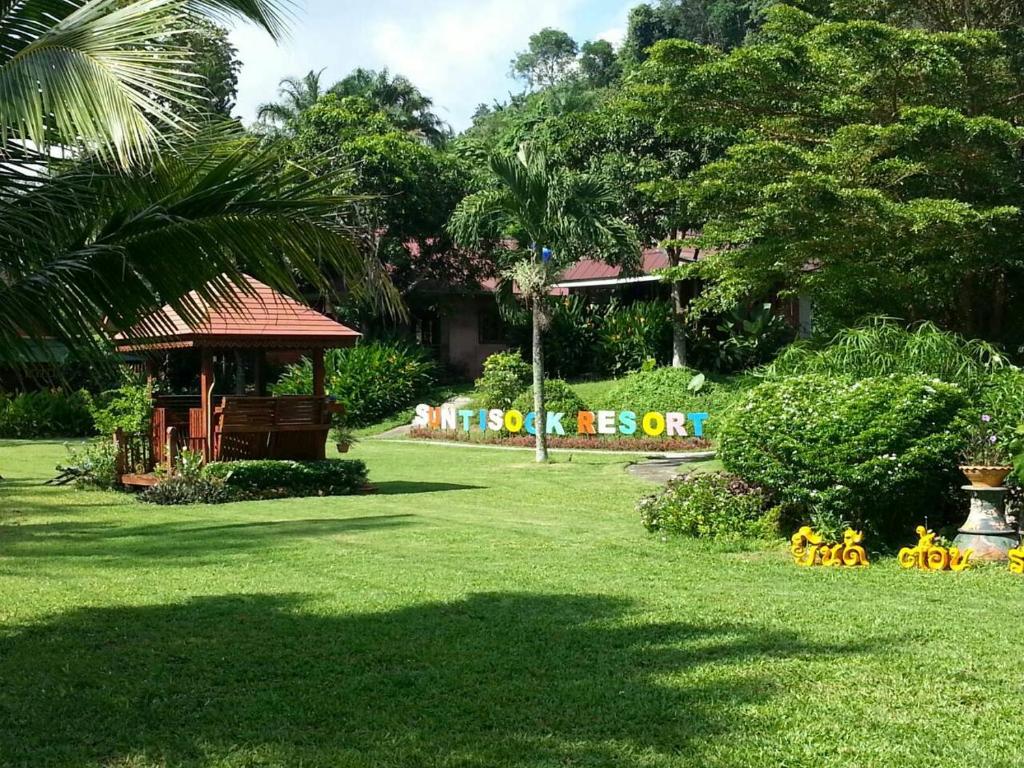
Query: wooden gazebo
point(244, 425)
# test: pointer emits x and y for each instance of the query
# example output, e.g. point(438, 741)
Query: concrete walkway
point(663, 468)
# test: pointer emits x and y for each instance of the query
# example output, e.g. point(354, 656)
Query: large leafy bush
point(585, 338)
point(660, 389)
point(371, 380)
point(559, 397)
point(128, 408)
point(505, 375)
point(92, 464)
point(676, 389)
point(879, 453)
point(712, 505)
point(44, 414)
point(884, 346)
point(633, 334)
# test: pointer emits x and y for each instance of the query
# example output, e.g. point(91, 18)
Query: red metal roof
point(653, 258)
point(259, 317)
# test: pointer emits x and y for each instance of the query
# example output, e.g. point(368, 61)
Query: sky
point(456, 51)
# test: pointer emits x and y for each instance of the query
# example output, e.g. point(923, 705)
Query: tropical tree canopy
point(405, 104)
point(876, 168)
point(296, 95)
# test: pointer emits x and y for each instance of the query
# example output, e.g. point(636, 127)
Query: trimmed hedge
point(278, 479)
point(879, 454)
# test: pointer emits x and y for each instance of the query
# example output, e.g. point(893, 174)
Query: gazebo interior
point(222, 410)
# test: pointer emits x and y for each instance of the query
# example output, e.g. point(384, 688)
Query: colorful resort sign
point(650, 423)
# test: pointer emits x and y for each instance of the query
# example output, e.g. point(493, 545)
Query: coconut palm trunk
point(540, 415)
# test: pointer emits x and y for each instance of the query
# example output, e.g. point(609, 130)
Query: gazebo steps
point(140, 480)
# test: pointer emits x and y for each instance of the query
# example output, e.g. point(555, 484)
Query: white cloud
point(615, 35)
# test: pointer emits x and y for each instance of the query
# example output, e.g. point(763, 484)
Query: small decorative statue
point(809, 548)
point(929, 556)
point(1017, 560)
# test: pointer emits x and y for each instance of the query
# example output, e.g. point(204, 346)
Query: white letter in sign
point(422, 410)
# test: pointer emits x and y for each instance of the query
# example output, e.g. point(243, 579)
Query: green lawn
point(479, 611)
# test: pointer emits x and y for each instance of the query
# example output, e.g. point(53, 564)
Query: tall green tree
point(549, 57)
point(877, 169)
point(296, 95)
point(408, 108)
point(403, 190)
point(537, 220)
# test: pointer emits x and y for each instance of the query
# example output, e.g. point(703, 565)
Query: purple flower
point(992, 439)
point(986, 418)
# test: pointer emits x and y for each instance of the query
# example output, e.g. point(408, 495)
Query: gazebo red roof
point(259, 317)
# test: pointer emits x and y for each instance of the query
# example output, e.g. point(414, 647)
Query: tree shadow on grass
point(402, 487)
point(494, 679)
point(175, 540)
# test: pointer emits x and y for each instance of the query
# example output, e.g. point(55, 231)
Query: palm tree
point(297, 94)
point(111, 203)
point(396, 95)
point(538, 221)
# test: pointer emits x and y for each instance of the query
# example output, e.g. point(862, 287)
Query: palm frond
point(90, 249)
point(103, 75)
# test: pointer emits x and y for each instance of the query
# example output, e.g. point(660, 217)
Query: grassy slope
point(458, 619)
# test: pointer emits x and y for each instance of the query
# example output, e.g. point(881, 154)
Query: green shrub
point(660, 389)
point(505, 375)
point(268, 478)
point(182, 489)
point(127, 408)
point(675, 389)
point(371, 380)
point(879, 454)
point(884, 347)
point(92, 464)
point(559, 397)
point(738, 340)
point(712, 505)
point(44, 414)
point(571, 337)
point(632, 334)
point(1001, 395)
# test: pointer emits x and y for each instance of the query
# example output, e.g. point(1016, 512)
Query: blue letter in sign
point(530, 424)
point(554, 424)
point(698, 420)
point(465, 416)
point(627, 422)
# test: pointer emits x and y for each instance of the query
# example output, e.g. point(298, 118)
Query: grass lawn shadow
point(491, 680)
point(174, 540)
point(402, 487)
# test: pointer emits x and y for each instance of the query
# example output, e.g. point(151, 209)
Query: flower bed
point(585, 442)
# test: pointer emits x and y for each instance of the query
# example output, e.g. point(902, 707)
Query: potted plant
point(986, 461)
point(344, 438)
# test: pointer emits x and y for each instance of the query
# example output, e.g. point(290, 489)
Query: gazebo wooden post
point(206, 401)
point(319, 388)
point(259, 373)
